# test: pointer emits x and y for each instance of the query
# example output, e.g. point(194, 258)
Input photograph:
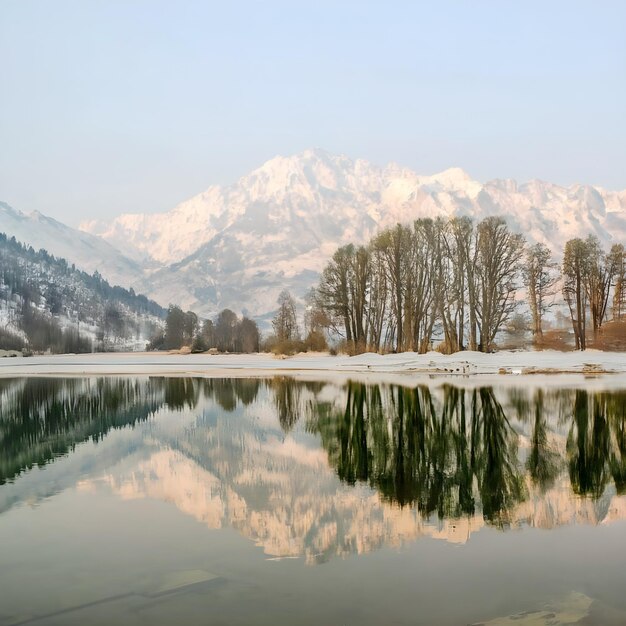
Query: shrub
point(157, 342)
point(315, 342)
point(9, 341)
point(199, 345)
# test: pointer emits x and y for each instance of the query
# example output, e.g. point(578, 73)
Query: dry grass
point(556, 339)
point(612, 337)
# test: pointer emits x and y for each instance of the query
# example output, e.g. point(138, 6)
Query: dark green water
point(245, 501)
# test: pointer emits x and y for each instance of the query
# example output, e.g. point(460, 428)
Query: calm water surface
point(240, 501)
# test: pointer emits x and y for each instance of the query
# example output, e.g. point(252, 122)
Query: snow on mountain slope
point(312, 186)
point(339, 199)
point(276, 227)
point(87, 252)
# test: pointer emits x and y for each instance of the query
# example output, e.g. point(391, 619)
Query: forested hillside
point(47, 304)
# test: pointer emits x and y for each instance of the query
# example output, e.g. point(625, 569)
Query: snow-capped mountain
point(239, 245)
point(87, 252)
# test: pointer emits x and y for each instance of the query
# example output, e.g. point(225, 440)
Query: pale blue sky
point(114, 106)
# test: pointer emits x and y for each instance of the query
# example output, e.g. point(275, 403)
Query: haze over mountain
point(239, 245)
point(87, 252)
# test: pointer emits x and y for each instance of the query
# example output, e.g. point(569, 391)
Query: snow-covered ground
point(547, 367)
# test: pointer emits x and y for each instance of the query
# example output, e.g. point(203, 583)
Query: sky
point(115, 106)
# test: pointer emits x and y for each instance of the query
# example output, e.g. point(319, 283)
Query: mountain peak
point(455, 173)
point(275, 227)
point(454, 180)
point(453, 176)
point(311, 157)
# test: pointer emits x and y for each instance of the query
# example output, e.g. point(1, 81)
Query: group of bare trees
point(589, 274)
point(227, 333)
point(286, 338)
point(459, 281)
point(449, 276)
point(449, 281)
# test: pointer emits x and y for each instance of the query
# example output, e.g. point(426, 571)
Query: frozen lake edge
point(506, 367)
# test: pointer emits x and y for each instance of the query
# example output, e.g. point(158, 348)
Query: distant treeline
point(227, 333)
point(45, 301)
point(439, 283)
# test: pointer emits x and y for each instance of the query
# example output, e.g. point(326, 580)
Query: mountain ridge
point(239, 245)
point(86, 251)
point(316, 179)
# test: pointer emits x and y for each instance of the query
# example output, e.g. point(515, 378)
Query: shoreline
point(547, 368)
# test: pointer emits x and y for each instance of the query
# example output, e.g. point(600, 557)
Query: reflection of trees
point(448, 452)
point(616, 409)
point(444, 454)
point(184, 393)
point(228, 391)
point(499, 481)
point(286, 395)
point(543, 461)
point(41, 418)
point(181, 393)
point(596, 444)
point(415, 452)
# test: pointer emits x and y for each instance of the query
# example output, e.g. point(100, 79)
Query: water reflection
point(595, 443)
point(417, 451)
point(41, 418)
point(321, 469)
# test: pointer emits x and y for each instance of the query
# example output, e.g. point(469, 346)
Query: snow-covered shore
point(607, 366)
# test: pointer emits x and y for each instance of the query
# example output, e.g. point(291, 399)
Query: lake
point(153, 500)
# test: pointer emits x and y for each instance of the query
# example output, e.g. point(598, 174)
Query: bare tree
point(174, 327)
point(601, 270)
point(333, 292)
point(248, 336)
point(377, 310)
point(574, 272)
point(541, 277)
point(618, 255)
point(285, 323)
point(393, 246)
point(423, 284)
point(225, 331)
point(499, 254)
point(466, 262)
point(359, 293)
point(343, 294)
point(190, 327)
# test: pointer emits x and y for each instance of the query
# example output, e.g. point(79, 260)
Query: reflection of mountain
point(441, 463)
point(303, 512)
point(318, 470)
point(44, 418)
